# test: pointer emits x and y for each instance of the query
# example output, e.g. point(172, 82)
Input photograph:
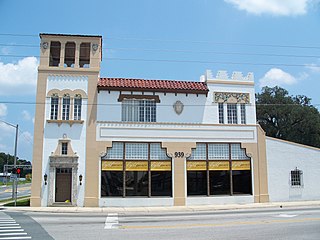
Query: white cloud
point(3, 110)
point(277, 77)
point(26, 115)
point(315, 68)
point(273, 7)
point(22, 75)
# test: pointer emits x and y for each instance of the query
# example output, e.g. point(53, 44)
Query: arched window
point(66, 107)
point(77, 107)
point(54, 107)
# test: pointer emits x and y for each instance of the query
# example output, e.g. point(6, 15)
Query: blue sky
point(277, 40)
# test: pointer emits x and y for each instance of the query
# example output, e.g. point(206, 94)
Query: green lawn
point(20, 182)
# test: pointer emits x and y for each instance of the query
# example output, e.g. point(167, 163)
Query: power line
point(182, 51)
point(186, 61)
point(182, 40)
point(160, 105)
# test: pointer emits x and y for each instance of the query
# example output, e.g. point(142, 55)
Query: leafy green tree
point(291, 118)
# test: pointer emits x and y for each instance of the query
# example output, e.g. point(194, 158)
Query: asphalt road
point(293, 223)
point(23, 190)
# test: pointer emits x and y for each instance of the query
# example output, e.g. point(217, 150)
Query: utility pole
point(14, 185)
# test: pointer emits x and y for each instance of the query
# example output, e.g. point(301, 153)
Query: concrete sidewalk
point(173, 209)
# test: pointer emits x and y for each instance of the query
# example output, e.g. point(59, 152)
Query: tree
point(291, 118)
point(9, 159)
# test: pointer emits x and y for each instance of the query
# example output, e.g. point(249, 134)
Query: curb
point(173, 209)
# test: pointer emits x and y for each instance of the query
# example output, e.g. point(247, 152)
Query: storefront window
point(161, 183)
point(137, 183)
point(111, 183)
point(197, 182)
point(227, 166)
point(145, 170)
point(219, 182)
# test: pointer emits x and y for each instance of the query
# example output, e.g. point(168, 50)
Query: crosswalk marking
point(112, 221)
point(11, 230)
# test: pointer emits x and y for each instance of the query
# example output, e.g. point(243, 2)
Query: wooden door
point(63, 184)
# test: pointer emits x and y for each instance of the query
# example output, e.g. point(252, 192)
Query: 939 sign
point(178, 154)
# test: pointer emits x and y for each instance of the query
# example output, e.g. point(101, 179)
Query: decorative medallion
point(178, 107)
point(45, 45)
point(222, 97)
point(95, 47)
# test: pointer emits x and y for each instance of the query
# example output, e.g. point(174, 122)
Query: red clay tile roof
point(152, 85)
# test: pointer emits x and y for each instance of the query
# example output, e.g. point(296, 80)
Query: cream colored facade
point(89, 138)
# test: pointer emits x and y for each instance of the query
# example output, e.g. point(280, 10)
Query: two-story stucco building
point(135, 142)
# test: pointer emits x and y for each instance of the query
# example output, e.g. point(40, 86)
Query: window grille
point(77, 107)
point(296, 178)
point(237, 153)
point(221, 113)
point(136, 110)
point(64, 148)
point(232, 113)
point(136, 151)
point(116, 152)
point(158, 153)
point(243, 113)
point(218, 151)
point(66, 107)
point(199, 153)
point(54, 107)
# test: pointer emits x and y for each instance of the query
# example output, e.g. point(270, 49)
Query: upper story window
point(77, 107)
point(54, 107)
point(64, 148)
point(139, 110)
point(69, 55)
point(55, 48)
point(243, 113)
point(66, 107)
point(84, 60)
point(221, 112)
point(232, 113)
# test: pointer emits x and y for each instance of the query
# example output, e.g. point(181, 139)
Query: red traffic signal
point(18, 170)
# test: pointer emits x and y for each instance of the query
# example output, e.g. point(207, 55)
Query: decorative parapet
point(223, 75)
point(228, 97)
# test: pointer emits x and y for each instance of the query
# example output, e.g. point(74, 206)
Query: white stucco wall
point(282, 158)
point(197, 108)
point(75, 132)
point(109, 109)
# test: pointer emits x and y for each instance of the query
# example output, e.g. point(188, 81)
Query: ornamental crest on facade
point(227, 97)
point(178, 107)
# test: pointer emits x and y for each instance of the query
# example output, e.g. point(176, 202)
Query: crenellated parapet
point(224, 76)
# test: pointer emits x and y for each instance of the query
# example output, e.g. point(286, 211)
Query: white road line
point(12, 234)
point(286, 215)
point(7, 222)
point(9, 227)
point(12, 238)
point(11, 230)
point(112, 221)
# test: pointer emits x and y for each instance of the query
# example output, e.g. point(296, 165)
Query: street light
point(14, 185)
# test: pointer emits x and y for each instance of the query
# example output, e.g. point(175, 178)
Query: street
point(23, 190)
point(276, 223)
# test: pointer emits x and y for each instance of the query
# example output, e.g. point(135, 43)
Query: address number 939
point(178, 154)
